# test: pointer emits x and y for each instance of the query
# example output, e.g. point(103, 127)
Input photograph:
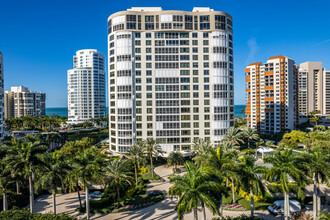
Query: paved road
point(161, 210)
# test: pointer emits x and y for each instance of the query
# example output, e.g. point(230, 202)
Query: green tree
point(317, 162)
point(86, 166)
point(117, 171)
point(175, 158)
point(250, 179)
point(53, 174)
point(202, 150)
point(234, 136)
point(250, 134)
point(27, 160)
point(293, 138)
point(152, 147)
point(314, 119)
point(135, 154)
point(284, 166)
point(269, 144)
point(195, 187)
point(5, 181)
point(223, 165)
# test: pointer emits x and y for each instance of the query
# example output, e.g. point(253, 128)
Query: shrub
point(247, 196)
point(20, 214)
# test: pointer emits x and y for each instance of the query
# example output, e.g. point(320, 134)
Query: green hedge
point(24, 214)
point(242, 217)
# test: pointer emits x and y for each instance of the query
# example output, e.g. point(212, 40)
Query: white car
point(96, 194)
point(277, 208)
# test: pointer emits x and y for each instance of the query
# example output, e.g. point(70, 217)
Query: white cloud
point(322, 42)
point(253, 47)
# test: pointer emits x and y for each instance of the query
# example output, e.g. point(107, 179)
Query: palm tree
point(175, 158)
point(234, 136)
point(250, 179)
point(284, 166)
point(195, 187)
point(11, 148)
point(5, 180)
point(117, 171)
point(152, 148)
point(53, 174)
point(202, 150)
point(226, 165)
point(315, 119)
point(135, 153)
point(317, 162)
point(250, 134)
point(223, 165)
point(27, 161)
point(86, 166)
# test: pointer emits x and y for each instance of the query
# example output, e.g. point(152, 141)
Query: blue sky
point(40, 37)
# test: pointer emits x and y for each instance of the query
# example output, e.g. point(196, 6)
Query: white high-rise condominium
point(171, 77)
point(86, 87)
point(2, 107)
point(314, 89)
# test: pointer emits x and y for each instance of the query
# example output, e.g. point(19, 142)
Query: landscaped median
point(134, 196)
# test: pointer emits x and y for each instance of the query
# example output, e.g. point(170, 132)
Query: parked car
point(277, 208)
point(96, 194)
point(155, 193)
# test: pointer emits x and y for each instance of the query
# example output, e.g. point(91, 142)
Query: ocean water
point(63, 111)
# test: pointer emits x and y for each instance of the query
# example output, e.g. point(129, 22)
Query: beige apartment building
point(171, 77)
point(313, 89)
point(22, 102)
point(271, 93)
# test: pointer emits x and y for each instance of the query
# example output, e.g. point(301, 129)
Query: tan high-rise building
point(271, 92)
point(171, 77)
point(314, 89)
point(22, 102)
point(2, 107)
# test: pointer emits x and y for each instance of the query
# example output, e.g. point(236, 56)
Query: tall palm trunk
point(18, 191)
point(118, 194)
point(136, 177)
point(152, 166)
point(318, 196)
point(286, 206)
point(195, 214)
point(252, 200)
point(54, 201)
point(5, 203)
point(233, 190)
point(87, 202)
point(249, 146)
point(203, 209)
point(31, 193)
point(314, 199)
point(78, 190)
point(220, 206)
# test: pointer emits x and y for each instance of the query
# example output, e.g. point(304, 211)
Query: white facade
point(170, 77)
point(20, 101)
point(2, 107)
point(86, 87)
point(314, 89)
